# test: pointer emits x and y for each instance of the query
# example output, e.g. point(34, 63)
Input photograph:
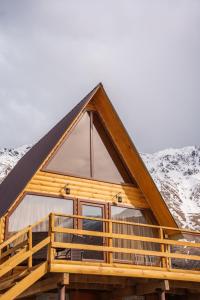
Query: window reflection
point(73, 156)
point(139, 217)
point(89, 152)
point(107, 164)
point(92, 225)
point(33, 208)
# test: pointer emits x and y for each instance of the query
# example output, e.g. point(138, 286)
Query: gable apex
point(22, 173)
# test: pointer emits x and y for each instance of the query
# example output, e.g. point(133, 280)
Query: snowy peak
point(176, 173)
point(9, 157)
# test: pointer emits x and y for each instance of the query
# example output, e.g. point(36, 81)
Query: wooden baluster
point(168, 250)
point(30, 245)
point(110, 242)
point(164, 260)
point(52, 236)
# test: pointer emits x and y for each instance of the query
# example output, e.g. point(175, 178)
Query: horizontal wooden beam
point(179, 230)
point(126, 237)
point(127, 272)
point(124, 250)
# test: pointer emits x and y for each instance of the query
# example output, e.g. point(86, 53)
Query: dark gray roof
point(20, 175)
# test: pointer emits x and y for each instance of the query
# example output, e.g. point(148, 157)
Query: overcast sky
point(146, 53)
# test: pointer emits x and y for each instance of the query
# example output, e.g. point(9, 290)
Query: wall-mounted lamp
point(67, 189)
point(118, 197)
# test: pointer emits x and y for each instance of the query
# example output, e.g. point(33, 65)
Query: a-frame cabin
point(82, 218)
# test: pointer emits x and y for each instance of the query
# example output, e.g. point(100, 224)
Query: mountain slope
point(176, 173)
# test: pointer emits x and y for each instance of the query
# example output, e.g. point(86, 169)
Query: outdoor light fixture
point(67, 189)
point(118, 197)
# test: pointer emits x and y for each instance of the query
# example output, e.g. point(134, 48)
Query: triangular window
point(88, 151)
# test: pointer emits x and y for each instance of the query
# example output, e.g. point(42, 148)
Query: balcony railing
point(75, 244)
point(168, 248)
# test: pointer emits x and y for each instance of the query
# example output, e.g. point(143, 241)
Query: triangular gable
point(19, 177)
point(88, 151)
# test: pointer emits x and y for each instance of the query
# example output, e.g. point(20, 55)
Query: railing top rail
point(21, 232)
point(25, 230)
point(180, 230)
point(125, 236)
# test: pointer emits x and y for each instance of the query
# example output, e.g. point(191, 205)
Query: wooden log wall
point(2, 229)
point(49, 183)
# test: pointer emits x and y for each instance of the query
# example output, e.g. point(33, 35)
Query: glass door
point(89, 209)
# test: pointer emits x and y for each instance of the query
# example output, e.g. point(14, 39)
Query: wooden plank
point(124, 250)
point(13, 238)
point(126, 237)
point(11, 251)
point(22, 285)
point(82, 183)
point(62, 178)
point(20, 233)
point(45, 285)
point(127, 272)
point(130, 223)
point(90, 191)
point(87, 194)
point(114, 265)
point(21, 256)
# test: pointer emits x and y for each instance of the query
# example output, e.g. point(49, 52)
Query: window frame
point(91, 112)
point(74, 199)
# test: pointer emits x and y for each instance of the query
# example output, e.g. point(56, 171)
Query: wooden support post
point(162, 246)
point(168, 250)
point(61, 292)
point(52, 237)
point(110, 244)
point(30, 245)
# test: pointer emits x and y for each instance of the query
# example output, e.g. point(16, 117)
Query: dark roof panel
point(20, 175)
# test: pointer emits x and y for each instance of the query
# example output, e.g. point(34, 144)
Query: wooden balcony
point(65, 248)
point(165, 258)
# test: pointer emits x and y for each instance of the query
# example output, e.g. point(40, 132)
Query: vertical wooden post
point(164, 260)
point(110, 242)
point(168, 251)
point(61, 292)
point(30, 245)
point(52, 236)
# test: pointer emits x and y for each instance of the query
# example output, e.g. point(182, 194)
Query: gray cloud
point(146, 53)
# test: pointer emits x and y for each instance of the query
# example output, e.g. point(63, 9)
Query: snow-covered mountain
point(8, 159)
point(176, 173)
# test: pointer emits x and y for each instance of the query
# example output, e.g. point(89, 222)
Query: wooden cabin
point(81, 218)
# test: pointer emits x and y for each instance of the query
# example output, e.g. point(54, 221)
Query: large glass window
point(33, 208)
point(92, 225)
point(73, 156)
point(89, 152)
point(107, 163)
point(139, 217)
